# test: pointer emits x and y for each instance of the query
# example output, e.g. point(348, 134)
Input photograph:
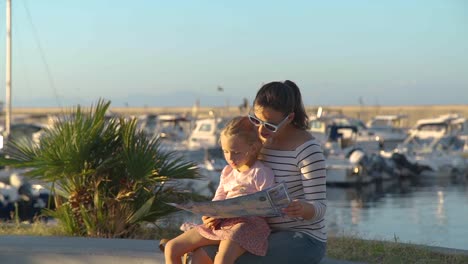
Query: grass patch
point(34, 229)
point(373, 251)
point(42, 229)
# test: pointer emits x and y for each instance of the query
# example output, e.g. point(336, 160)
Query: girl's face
point(237, 152)
point(269, 122)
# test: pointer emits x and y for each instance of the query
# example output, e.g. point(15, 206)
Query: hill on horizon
point(186, 99)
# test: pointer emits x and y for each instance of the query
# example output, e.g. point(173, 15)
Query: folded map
point(268, 202)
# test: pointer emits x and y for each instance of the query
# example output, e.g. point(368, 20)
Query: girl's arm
point(220, 193)
point(264, 178)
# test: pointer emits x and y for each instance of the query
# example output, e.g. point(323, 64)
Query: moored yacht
point(440, 144)
point(389, 129)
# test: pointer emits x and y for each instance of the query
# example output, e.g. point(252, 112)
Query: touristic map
point(268, 202)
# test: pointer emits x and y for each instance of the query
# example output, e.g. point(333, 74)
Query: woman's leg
point(283, 247)
point(199, 256)
point(184, 243)
point(228, 252)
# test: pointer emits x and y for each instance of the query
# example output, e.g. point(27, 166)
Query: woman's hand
point(210, 222)
point(299, 210)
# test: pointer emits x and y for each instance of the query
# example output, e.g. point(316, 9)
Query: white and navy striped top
point(303, 171)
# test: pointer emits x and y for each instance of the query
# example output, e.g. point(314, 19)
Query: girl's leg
point(184, 243)
point(228, 252)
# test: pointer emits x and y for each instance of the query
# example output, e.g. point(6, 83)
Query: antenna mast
point(8, 70)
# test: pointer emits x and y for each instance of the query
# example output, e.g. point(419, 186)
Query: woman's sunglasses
point(273, 128)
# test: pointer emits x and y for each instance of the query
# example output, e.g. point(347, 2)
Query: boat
point(437, 144)
point(31, 132)
point(444, 156)
point(342, 171)
point(173, 127)
point(355, 167)
point(389, 130)
point(206, 133)
point(337, 132)
point(351, 150)
point(450, 124)
point(21, 199)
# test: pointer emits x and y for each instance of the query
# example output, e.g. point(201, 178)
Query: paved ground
point(73, 250)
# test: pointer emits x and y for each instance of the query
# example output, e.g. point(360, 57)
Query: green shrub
point(107, 178)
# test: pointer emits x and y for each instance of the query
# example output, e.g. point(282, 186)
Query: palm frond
point(107, 176)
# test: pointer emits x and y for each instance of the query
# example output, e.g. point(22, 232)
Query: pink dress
point(251, 233)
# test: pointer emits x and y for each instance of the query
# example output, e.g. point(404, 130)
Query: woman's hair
point(284, 97)
point(240, 126)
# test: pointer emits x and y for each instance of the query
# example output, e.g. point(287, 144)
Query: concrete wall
point(365, 113)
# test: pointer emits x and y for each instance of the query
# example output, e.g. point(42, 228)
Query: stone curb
point(77, 250)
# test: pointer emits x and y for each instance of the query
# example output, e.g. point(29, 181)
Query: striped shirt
point(303, 171)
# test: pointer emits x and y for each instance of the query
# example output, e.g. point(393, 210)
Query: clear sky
point(170, 53)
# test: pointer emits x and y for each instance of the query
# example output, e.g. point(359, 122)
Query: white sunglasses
point(273, 128)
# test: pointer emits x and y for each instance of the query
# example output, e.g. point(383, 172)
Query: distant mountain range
point(135, 100)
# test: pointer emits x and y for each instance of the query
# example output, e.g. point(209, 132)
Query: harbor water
point(428, 212)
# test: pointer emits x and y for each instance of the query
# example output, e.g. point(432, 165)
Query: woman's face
point(236, 151)
point(269, 122)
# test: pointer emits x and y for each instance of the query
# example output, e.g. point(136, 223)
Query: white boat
point(439, 144)
point(450, 124)
point(171, 129)
point(206, 133)
point(348, 168)
point(147, 123)
point(389, 130)
point(21, 197)
point(349, 148)
point(166, 126)
point(336, 132)
point(445, 156)
point(31, 132)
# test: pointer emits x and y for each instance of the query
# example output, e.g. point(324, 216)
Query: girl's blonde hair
point(240, 126)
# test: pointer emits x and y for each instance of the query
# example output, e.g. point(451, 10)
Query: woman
point(297, 159)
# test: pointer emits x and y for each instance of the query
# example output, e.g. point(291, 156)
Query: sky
point(173, 53)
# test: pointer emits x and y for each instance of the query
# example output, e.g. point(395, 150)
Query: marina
point(388, 205)
point(382, 85)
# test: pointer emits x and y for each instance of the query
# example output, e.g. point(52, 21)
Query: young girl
point(243, 175)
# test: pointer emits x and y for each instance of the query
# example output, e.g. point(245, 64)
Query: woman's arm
point(300, 209)
point(311, 163)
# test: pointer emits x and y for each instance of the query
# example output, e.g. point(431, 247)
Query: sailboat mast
point(8, 70)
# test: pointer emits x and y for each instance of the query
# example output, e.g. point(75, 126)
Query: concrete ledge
point(79, 250)
point(74, 250)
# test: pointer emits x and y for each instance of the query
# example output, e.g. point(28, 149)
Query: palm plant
point(107, 178)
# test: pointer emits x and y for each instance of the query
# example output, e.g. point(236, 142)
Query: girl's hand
point(210, 222)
